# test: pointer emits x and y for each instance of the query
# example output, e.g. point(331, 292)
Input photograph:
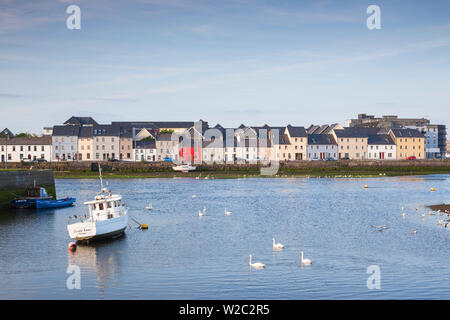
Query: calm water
point(183, 256)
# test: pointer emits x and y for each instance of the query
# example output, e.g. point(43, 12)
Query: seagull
point(415, 231)
point(380, 228)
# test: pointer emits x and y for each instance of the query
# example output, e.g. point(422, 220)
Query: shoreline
point(238, 174)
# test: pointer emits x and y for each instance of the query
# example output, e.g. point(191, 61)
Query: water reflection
point(104, 259)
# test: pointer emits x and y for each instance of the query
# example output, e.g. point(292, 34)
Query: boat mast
point(101, 179)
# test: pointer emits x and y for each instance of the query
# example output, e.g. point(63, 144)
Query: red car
point(411, 158)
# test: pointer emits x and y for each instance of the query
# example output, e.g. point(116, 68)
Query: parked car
point(331, 159)
point(113, 160)
point(345, 158)
point(411, 158)
point(167, 159)
point(39, 160)
point(26, 160)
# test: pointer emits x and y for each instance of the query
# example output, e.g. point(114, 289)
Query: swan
point(200, 214)
point(305, 261)
point(403, 214)
point(227, 213)
point(149, 207)
point(256, 265)
point(277, 245)
point(194, 196)
point(422, 215)
point(414, 231)
point(204, 210)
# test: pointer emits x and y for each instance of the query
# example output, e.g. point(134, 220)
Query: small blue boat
point(51, 204)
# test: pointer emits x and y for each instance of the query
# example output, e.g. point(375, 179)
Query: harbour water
point(184, 256)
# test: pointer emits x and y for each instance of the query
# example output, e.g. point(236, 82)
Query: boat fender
point(144, 226)
point(72, 246)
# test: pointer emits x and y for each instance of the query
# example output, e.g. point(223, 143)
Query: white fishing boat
point(107, 217)
point(184, 168)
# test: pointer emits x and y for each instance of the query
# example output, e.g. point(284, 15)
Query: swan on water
point(256, 265)
point(227, 213)
point(277, 245)
point(305, 261)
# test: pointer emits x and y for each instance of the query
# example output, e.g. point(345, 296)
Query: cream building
point(409, 142)
point(352, 142)
point(298, 142)
point(86, 144)
point(106, 142)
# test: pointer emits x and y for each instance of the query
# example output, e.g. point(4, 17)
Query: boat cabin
point(105, 207)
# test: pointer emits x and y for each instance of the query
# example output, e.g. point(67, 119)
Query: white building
point(145, 150)
point(106, 142)
point(65, 143)
point(18, 149)
point(321, 147)
point(381, 147)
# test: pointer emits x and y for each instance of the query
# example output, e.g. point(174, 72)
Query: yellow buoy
point(433, 189)
point(144, 226)
point(366, 186)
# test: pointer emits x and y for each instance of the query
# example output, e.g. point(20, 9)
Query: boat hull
point(90, 231)
point(50, 204)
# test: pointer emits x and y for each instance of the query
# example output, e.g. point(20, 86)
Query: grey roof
point(66, 131)
point(7, 132)
point(380, 139)
point(312, 129)
point(297, 132)
point(355, 132)
point(106, 130)
point(86, 132)
point(318, 139)
point(407, 133)
point(81, 121)
point(145, 144)
point(44, 140)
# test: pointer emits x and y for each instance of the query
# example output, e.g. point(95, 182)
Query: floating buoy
point(366, 186)
point(144, 226)
point(433, 189)
point(72, 246)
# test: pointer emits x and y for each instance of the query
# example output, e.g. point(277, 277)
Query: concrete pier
point(14, 183)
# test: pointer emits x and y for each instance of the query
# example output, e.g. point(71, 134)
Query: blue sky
point(227, 62)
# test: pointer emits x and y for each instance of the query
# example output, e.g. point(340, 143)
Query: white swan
point(149, 207)
point(200, 214)
point(194, 196)
point(204, 210)
point(227, 213)
point(277, 245)
point(305, 261)
point(256, 265)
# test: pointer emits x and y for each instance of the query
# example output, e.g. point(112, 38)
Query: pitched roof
point(81, 121)
point(67, 131)
point(380, 139)
point(296, 132)
point(317, 139)
point(407, 133)
point(145, 144)
point(108, 130)
point(44, 140)
point(355, 132)
point(6, 132)
point(86, 132)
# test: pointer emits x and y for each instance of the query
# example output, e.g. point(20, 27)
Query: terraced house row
point(83, 139)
